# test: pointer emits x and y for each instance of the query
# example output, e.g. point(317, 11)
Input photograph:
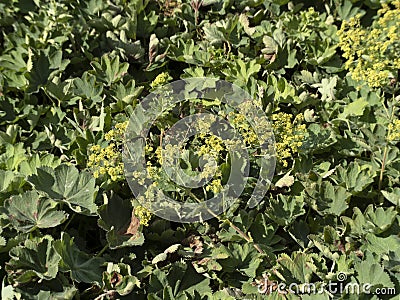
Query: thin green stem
point(69, 221)
point(103, 250)
point(383, 165)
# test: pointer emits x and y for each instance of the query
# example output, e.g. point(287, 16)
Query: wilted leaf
point(122, 226)
point(118, 277)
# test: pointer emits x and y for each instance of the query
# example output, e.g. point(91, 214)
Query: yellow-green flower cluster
point(212, 145)
point(158, 154)
point(143, 214)
point(394, 131)
point(288, 135)
point(240, 123)
point(215, 186)
point(373, 54)
point(208, 146)
point(108, 160)
point(160, 80)
point(117, 132)
point(309, 21)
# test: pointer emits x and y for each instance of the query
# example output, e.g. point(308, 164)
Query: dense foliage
point(325, 73)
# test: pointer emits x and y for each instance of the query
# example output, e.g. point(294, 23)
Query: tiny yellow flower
point(143, 214)
point(108, 160)
point(160, 80)
point(215, 186)
point(288, 135)
point(372, 53)
point(95, 148)
point(394, 131)
point(109, 135)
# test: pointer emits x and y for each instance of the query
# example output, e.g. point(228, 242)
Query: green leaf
point(109, 70)
point(370, 272)
point(3, 241)
point(347, 10)
point(30, 211)
point(31, 164)
point(7, 292)
point(117, 218)
point(13, 156)
point(180, 279)
point(240, 71)
point(393, 196)
point(36, 259)
point(61, 91)
point(327, 88)
point(329, 243)
point(242, 220)
point(300, 266)
point(379, 245)
point(68, 292)
point(39, 74)
point(214, 34)
point(381, 217)
point(331, 199)
point(210, 260)
point(355, 108)
point(45, 67)
point(373, 220)
point(83, 267)
point(271, 47)
point(263, 232)
point(66, 184)
point(243, 258)
point(284, 210)
point(355, 177)
point(318, 139)
point(87, 88)
point(6, 177)
point(126, 93)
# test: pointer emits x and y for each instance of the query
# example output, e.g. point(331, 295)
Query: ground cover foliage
point(324, 72)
